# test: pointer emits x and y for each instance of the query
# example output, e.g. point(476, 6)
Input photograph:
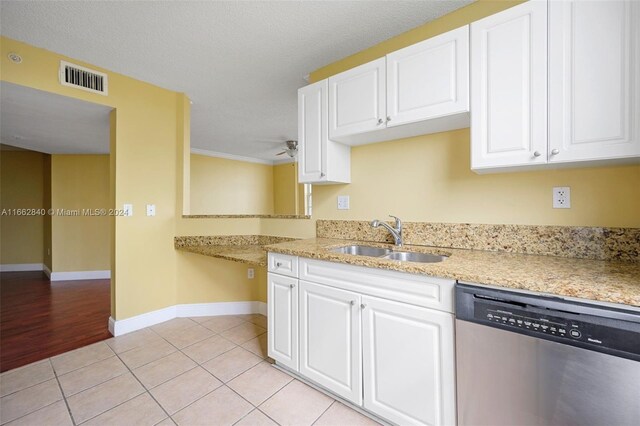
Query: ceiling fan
point(291, 148)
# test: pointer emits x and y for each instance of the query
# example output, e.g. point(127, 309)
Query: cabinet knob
point(292, 285)
point(362, 306)
point(388, 118)
point(322, 174)
point(537, 154)
point(353, 302)
point(278, 264)
point(380, 121)
point(555, 151)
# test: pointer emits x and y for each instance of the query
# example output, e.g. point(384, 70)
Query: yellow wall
point(286, 190)
point(223, 186)
point(80, 243)
point(442, 188)
point(48, 219)
point(207, 279)
point(22, 187)
point(144, 163)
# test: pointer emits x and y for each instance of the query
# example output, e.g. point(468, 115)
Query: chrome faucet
point(396, 232)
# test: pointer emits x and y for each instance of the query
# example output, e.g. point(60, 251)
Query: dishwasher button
point(575, 334)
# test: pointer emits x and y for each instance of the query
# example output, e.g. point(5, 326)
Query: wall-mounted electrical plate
point(151, 209)
point(251, 273)
point(343, 202)
point(128, 209)
point(561, 197)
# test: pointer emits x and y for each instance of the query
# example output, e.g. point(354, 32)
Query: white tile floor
point(187, 371)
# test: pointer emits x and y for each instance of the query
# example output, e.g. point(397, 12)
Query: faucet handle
point(398, 221)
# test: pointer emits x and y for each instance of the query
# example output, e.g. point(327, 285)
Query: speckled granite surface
point(245, 216)
point(238, 248)
point(565, 241)
point(606, 281)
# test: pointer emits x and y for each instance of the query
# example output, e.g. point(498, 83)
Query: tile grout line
point(145, 391)
point(97, 384)
point(30, 386)
point(84, 347)
point(197, 365)
point(223, 384)
point(322, 414)
point(64, 398)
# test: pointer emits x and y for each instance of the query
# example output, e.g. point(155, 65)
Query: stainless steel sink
point(362, 250)
point(383, 253)
point(408, 256)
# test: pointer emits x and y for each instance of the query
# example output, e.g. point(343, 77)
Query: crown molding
point(230, 156)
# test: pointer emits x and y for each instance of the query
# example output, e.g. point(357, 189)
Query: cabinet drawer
point(430, 292)
point(283, 264)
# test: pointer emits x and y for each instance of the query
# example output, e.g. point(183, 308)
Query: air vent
point(83, 78)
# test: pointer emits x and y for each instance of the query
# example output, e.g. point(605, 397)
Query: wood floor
point(39, 318)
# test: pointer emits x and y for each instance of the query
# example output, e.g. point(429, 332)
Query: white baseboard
point(21, 267)
point(79, 275)
point(47, 271)
point(120, 327)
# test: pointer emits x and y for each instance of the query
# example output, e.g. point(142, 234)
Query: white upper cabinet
point(509, 87)
point(421, 89)
point(594, 80)
point(320, 160)
point(576, 104)
point(357, 101)
point(429, 79)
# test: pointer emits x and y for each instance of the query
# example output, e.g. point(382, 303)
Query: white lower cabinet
point(382, 340)
point(408, 360)
point(330, 350)
point(282, 319)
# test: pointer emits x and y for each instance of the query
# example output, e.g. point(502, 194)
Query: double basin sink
point(383, 253)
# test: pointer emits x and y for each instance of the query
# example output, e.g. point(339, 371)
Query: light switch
point(128, 209)
point(151, 209)
point(343, 202)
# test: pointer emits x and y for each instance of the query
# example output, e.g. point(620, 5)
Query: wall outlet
point(128, 209)
point(343, 202)
point(151, 209)
point(251, 273)
point(561, 197)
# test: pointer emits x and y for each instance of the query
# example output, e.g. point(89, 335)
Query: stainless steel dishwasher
point(534, 360)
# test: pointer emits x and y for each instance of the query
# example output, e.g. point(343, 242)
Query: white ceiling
point(50, 123)
point(240, 62)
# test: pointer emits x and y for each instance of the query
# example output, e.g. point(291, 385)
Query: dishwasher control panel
point(535, 323)
point(607, 330)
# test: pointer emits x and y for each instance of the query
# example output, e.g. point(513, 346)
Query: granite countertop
point(600, 280)
point(238, 248)
point(251, 254)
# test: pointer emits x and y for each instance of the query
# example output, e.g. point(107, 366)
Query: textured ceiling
point(240, 62)
point(46, 122)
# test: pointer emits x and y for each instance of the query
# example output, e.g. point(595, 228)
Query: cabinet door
point(282, 309)
point(312, 132)
point(594, 80)
point(429, 79)
point(330, 351)
point(357, 100)
point(408, 355)
point(509, 87)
